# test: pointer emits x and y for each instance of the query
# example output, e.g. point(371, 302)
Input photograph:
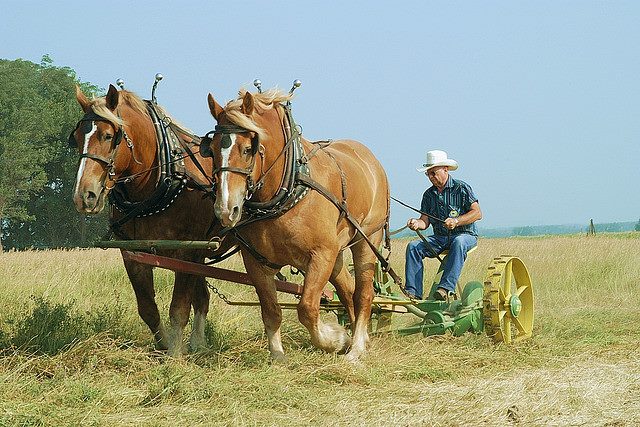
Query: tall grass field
point(73, 351)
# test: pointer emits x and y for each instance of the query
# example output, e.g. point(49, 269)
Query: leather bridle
point(226, 130)
point(107, 161)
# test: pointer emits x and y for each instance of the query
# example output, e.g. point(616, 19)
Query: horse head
point(236, 145)
point(106, 149)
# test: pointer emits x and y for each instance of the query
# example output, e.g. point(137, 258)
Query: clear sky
point(539, 102)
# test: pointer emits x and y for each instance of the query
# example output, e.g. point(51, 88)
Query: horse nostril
point(91, 196)
point(235, 213)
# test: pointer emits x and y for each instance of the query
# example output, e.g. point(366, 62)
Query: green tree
point(37, 112)
point(637, 227)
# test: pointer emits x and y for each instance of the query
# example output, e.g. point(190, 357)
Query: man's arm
point(474, 214)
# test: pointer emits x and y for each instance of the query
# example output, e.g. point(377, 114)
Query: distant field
point(582, 367)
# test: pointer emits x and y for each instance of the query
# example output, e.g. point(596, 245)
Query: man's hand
point(414, 224)
point(451, 223)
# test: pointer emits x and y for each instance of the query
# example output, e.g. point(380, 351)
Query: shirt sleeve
point(425, 206)
point(469, 197)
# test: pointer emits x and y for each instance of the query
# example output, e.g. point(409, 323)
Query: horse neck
point(274, 127)
point(142, 133)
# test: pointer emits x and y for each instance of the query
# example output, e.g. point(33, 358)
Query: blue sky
point(539, 102)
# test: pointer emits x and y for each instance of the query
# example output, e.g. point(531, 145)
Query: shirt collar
point(449, 184)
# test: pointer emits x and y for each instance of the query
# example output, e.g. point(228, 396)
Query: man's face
point(438, 175)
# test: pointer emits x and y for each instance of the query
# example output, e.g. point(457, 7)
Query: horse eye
point(246, 150)
point(108, 137)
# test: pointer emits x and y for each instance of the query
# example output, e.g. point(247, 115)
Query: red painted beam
point(204, 270)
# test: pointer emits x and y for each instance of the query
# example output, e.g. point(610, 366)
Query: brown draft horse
point(249, 160)
point(117, 139)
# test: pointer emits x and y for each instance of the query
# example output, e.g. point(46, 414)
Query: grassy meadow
point(73, 351)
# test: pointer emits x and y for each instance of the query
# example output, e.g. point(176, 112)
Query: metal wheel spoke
point(519, 325)
point(506, 331)
point(502, 314)
point(521, 289)
point(501, 295)
point(508, 276)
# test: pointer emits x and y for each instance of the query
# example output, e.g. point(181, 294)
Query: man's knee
point(462, 243)
point(414, 247)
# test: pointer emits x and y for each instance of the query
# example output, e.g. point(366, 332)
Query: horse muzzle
point(89, 202)
point(228, 216)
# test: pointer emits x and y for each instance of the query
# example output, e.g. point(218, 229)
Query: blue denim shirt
point(455, 200)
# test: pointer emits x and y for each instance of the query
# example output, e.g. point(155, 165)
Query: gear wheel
point(508, 300)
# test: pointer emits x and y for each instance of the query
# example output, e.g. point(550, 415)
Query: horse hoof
point(336, 339)
point(278, 358)
point(197, 345)
point(161, 347)
point(353, 358)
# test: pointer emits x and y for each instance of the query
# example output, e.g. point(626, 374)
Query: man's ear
point(112, 98)
point(214, 107)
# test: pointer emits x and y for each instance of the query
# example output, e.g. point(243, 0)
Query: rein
point(417, 210)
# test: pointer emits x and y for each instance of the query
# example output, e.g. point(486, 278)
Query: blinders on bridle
point(93, 117)
point(225, 131)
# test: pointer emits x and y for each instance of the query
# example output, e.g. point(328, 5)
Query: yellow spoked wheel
point(508, 300)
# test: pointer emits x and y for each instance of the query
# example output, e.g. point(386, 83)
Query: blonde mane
point(99, 106)
point(262, 101)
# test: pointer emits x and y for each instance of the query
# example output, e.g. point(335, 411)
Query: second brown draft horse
point(120, 154)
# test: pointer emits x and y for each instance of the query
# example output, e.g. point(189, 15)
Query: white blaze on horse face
point(224, 182)
point(83, 162)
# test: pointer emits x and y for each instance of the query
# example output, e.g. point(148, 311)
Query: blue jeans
point(458, 246)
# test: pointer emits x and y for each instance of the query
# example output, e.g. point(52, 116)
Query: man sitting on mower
point(452, 208)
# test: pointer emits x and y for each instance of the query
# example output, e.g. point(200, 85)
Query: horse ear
point(214, 107)
point(247, 103)
point(83, 100)
point(112, 98)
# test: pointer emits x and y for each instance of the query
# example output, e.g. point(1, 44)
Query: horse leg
point(141, 277)
point(344, 284)
point(179, 311)
point(200, 303)
point(364, 261)
point(263, 279)
point(328, 337)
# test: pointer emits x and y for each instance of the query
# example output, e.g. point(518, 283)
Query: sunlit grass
point(582, 367)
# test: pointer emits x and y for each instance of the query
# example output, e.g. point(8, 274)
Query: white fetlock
point(332, 338)
point(197, 340)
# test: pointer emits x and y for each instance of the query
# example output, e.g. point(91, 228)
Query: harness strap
point(253, 251)
point(216, 259)
point(343, 182)
point(194, 160)
point(318, 145)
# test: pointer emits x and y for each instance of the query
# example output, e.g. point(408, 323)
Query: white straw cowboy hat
point(438, 158)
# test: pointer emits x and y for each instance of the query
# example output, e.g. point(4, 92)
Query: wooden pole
point(159, 244)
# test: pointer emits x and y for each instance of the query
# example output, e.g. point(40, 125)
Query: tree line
point(38, 110)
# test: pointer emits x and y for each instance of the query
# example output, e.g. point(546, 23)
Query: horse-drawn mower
point(502, 305)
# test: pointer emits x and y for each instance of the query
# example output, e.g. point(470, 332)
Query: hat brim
point(452, 164)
